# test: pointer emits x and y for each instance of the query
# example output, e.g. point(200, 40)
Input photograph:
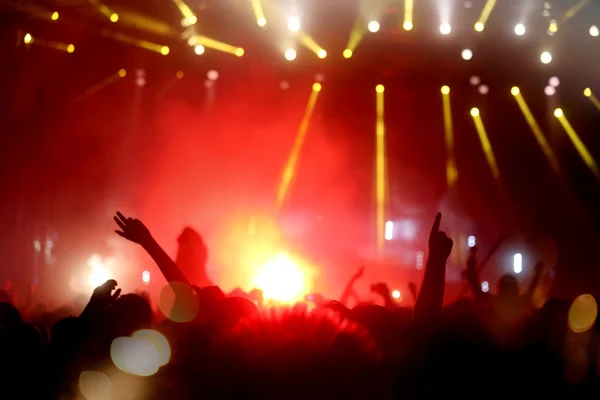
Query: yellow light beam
point(356, 35)
point(66, 47)
point(147, 24)
point(157, 48)
point(107, 12)
point(380, 172)
point(580, 5)
point(590, 95)
point(408, 14)
point(451, 170)
point(485, 143)
point(220, 46)
point(587, 158)
point(310, 44)
point(535, 129)
point(290, 168)
point(485, 14)
point(117, 76)
point(258, 13)
point(189, 18)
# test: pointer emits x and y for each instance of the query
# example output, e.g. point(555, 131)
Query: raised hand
point(440, 245)
point(102, 298)
point(359, 274)
point(132, 229)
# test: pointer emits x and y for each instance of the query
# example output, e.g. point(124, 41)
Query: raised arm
point(431, 297)
point(349, 289)
point(135, 231)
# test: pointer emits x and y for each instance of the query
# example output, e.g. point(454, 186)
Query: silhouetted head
point(190, 240)
point(130, 313)
point(9, 314)
point(508, 287)
point(233, 309)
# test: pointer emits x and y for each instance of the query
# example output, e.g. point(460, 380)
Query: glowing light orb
point(467, 54)
point(554, 81)
point(474, 112)
point(316, 87)
point(518, 263)
point(396, 294)
point(134, 356)
point(445, 90)
point(549, 90)
point(471, 241)
point(146, 277)
point(165, 50)
point(213, 75)
point(373, 26)
point(520, 29)
point(321, 53)
point(558, 113)
point(199, 49)
point(28, 38)
point(122, 73)
point(485, 286)
point(379, 89)
point(594, 31)
point(388, 233)
point(479, 26)
point(407, 25)
point(445, 29)
point(483, 89)
point(70, 48)
point(261, 22)
point(290, 54)
point(546, 57)
point(293, 24)
point(94, 385)
point(583, 313)
point(347, 53)
point(239, 52)
point(474, 80)
point(515, 91)
point(159, 341)
point(114, 17)
point(587, 92)
point(54, 16)
point(281, 279)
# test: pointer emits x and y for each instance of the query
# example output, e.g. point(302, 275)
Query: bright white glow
point(261, 21)
point(396, 294)
point(389, 230)
point(471, 242)
point(474, 80)
point(554, 81)
point(594, 31)
point(146, 277)
point(373, 26)
point(99, 273)
point(199, 50)
point(518, 263)
point(158, 341)
point(321, 53)
point(546, 57)
point(445, 29)
point(549, 90)
point(520, 29)
point(485, 286)
point(290, 54)
point(483, 89)
point(281, 279)
point(213, 75)
point(420, 260)
point(467, 54)
point(294, 24)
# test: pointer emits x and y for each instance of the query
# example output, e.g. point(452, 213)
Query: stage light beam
point(310, 44)
point(189, 18)
point(210, 43)
point(485, 14)
point(290, 168)
point(408, 15)
point(373, 26)
point(535, 129)
point(585, 155)
point(259, 13)
point(445, 29)
point(380, 168)
point(588, 93)
point(485, 143)
point(451, 169)
point(293, 24)
point(520, 29)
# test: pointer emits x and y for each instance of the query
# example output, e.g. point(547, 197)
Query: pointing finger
point(436, 224)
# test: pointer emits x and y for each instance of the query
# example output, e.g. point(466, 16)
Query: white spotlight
point(520, 29)
point(471, 242)
point(199, 49)
point(474, 80)
point(146, 277)
point(396, 294)
point(483, 89)
point(518, 263)
point(467, 54)
point(546, 57)
point(549, 90)
point(445, 29)
point(485, 286)
point(554, 81)
point(389, 230)
point(294, 24)
point(213, 75)
point(373, 26)
point(290, 54)
point(594, 31)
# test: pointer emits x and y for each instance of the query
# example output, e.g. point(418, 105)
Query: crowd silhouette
point(481, 346)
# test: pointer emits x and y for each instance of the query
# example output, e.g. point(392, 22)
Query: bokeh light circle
point(583, 313)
